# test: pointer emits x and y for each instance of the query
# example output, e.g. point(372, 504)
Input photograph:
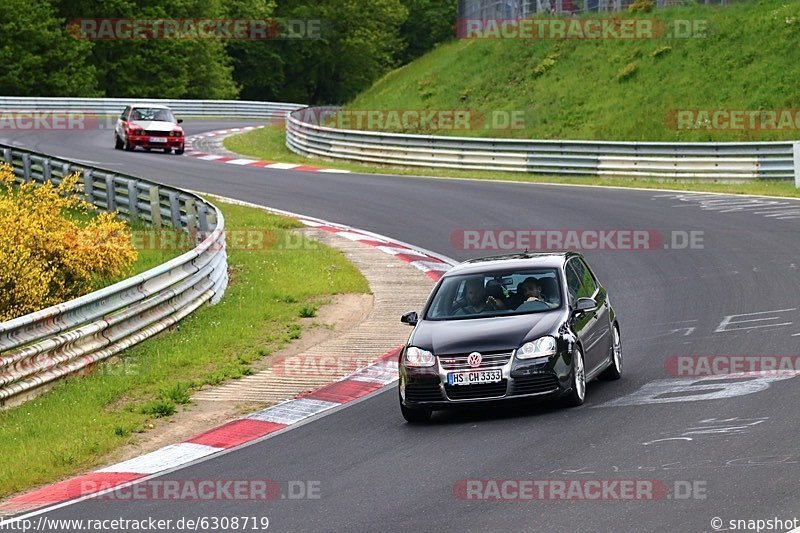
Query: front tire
point(577, 393)
point(127, 146)
point(415, 416)
point(117, 142)
point(179, 151)
point(615, 370)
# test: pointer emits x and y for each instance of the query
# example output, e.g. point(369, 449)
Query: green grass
point(74, 426)
point(611, 89)
point(149, 256)
point(268, 144)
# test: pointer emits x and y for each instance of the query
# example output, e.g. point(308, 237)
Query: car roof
point(512, 261)
point(149, 106)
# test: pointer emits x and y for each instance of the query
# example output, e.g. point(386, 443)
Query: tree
point(257, 64)
point(429, 23)
point(162, 67)
point(360, 41)
point(38, 57)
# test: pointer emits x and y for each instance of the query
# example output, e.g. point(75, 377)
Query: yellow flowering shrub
point(47, 256)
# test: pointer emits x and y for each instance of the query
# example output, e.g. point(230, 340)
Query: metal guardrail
point(41, 347)
point(114, 106)
point(701, 160)
point(512, 9)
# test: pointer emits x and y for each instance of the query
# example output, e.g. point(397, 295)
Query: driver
point(478, 299)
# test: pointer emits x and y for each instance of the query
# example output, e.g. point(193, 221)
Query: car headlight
point(137, 132)
point(418, 357)
point(177, 133)
point(544, 347)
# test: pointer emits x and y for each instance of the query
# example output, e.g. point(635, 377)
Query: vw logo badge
point(474, 359)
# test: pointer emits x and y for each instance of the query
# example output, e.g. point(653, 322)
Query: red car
point(149, 126)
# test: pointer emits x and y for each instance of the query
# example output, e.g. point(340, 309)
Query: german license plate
point(158, 139)
point(476, 377)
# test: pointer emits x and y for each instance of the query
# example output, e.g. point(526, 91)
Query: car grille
point(489, 360)
point(423, 392)
point(536, 383)
point(477, 392)
point(157, 133)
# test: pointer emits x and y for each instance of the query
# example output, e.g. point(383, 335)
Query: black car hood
point(448, 337)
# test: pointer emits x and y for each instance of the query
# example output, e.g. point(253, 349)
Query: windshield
point(496, 293)
point(152, 113)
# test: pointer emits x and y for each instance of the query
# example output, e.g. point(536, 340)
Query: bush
point(308, 311)
point(628, 72)
point(46, 255)
point(641, 6)
point(660, 51)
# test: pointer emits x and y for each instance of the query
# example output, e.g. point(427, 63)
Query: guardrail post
point(46, 170)
point(7, 156)
point(796, 146)
point(191, 215)
point(88, 185)
point(175, 210)
point(202, 219)
point(155, 206)
point(26, 167)
point(133, 199)
point(111, 194)
point(64, 170)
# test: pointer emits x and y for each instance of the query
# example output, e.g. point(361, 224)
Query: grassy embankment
point(599, 89)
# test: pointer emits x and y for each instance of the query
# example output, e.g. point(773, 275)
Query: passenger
point(549, 290)
point(527, 291)
point(532, 291)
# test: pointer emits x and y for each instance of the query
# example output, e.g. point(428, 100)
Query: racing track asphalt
point(377, 473)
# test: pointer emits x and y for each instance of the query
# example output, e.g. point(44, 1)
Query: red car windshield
point(152, 114)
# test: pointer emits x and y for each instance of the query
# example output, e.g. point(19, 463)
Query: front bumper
point(146, 141)
point(427, 387)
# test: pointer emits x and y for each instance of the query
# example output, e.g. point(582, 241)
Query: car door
point(592, 327)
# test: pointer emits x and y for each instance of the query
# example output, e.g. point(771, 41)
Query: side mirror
point(410, 318)
point(180, 121)
point(585, 305)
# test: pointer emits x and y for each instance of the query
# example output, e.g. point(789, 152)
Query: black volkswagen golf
point(507, 327)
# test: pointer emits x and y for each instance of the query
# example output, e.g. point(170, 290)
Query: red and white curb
point(245, 162)
point(253, 427)
point(233, 434)
point(434, 267)
point(432, 264)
